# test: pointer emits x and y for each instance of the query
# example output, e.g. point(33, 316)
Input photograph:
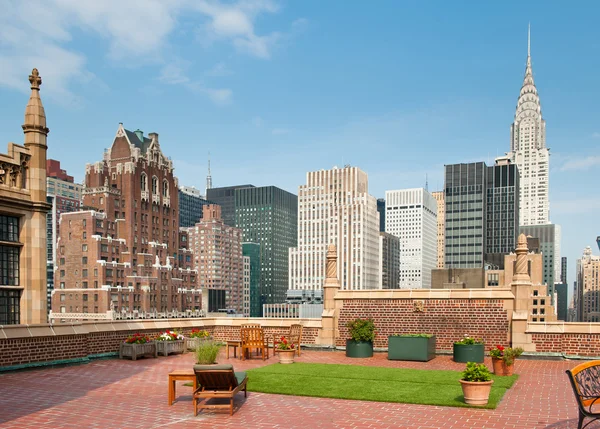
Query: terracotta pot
point(500, 368)
point(476, 392)
point(286, 356)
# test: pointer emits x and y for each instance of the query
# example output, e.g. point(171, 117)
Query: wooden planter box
point(411, 348)
point(134, 351)
point(468, 353)
point(192, 343)
point(166, 347)
point(359, 349)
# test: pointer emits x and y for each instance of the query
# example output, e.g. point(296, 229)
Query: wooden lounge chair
point(585, 381)
point(255, 325)
point(217, 381)
point(294, 337)
point(254, 338)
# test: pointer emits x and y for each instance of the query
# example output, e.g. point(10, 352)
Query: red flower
point(501, 348)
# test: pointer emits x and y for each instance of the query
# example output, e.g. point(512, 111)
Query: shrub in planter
point(362, 333)
point(476, 383)
point(285, 351)
point(468, 349)
point(503, 359)
point(207, 351)
point(418, 347)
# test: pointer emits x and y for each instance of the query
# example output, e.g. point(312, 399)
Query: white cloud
point(580, 163)
point(596, 135)
point(219, 70)
point(575, 206)
point(257, 121)
point(280, 131)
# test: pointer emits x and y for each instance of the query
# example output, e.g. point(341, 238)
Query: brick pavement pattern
point(116, 393)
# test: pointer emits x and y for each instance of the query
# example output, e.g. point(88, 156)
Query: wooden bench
point(178, 375)
point(585, 380)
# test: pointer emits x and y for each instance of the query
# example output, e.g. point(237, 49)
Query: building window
point(84, 260)
point(9, 266)
point(84, 248)
point(10, 307)
point(9, 229)
point(154, 185)
point(144, 182)
point(165, 188)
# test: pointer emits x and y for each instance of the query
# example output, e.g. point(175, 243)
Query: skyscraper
point(251, 252)
point(441, 226)
point(389, 255)
point(411, 215)
point(549, 236)
point(528, 150)
point(334, 207)
point(190, 206)
point(268, 216)
point(587, 287)
point(225, 197)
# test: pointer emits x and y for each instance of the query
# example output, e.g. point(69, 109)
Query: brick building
point(217, 257)
point(125, 246)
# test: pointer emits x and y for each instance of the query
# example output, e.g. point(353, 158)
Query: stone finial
point(521, 271)
point(331, 268)
point(35, 79)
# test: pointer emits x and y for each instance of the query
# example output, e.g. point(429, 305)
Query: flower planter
point(476, 392)
point(134, 351)
point(411, 348)
point(192, 343)
point(501, 368)
point(359, 349)
point(286, 356)
point(166, 347)
point(468, 353)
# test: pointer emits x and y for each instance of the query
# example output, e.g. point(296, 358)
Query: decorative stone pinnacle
point(35, 79)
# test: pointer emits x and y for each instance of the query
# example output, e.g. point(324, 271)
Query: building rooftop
point(133, 394)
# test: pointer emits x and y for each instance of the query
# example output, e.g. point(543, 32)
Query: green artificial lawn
point(367, 383)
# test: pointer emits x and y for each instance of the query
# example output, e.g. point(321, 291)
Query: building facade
point(563, 270)
point(217, 255)
point(549, 237)
point(225, 197)
point(334, 207)
point(65, 196)
point(125, 247)
point(529, 152)
point(389, 255)
point(381, 210)
point(465, 214)
point(587, 287)
point(23, 209)
point(268, 216)
point(502, 211)
point(190, 206)
point(251, 252)
point(411, 215)
point(441, 227)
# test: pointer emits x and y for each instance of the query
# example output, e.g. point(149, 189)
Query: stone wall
point(570, 339)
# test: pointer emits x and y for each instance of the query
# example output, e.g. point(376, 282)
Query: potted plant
point(362, 332)
point(137, 345)
point(207, 351)
point(469, 349)
point(419, 347)
point(170, 342)
point(503, 359)
point(195, 337)
point(476, 383)
point(286, 351)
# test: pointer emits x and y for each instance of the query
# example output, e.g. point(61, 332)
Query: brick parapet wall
point(30, 344)
point(571, 339)
point(448, 319)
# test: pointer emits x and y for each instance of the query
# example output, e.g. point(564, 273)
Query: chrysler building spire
point(528, 150)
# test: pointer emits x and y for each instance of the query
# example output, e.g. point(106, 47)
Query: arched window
point(144, 182)
point(154, 185)
point(165, 188)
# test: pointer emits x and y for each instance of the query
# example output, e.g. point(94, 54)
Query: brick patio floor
point(125, 394)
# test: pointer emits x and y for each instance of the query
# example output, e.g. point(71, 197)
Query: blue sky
point(274, 89)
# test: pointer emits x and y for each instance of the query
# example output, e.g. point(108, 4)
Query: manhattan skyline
point(276, 89)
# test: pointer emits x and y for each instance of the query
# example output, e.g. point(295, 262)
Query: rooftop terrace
point(114, 393)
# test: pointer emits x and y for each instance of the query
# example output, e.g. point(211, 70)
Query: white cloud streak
point(582, 163)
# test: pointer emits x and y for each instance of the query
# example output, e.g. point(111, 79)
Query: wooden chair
point(254, 338)
point(255, 325)
point(217, 381)
point(294, 337)
point(585, 381)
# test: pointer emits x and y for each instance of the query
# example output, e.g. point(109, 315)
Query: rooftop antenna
point(426, 183)
point(208, 177)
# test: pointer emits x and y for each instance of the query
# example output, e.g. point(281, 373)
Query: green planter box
point(411, 348)
point(468, 353)
point(359, 349)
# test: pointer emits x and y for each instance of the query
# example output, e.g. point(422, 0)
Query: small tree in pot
point(503, 359)
point(362, 332)
point(476, 383)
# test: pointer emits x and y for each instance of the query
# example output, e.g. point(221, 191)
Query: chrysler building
point(528, 150)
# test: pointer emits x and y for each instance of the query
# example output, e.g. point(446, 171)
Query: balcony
point(145, 196)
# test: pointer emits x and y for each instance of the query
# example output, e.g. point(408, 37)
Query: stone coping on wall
point(489, 293)
point(78, 328)
point(561, 327)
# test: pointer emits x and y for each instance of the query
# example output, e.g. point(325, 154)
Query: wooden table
point(180, 375)
point(234, 344)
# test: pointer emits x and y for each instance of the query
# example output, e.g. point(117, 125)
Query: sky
point(274, 89)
